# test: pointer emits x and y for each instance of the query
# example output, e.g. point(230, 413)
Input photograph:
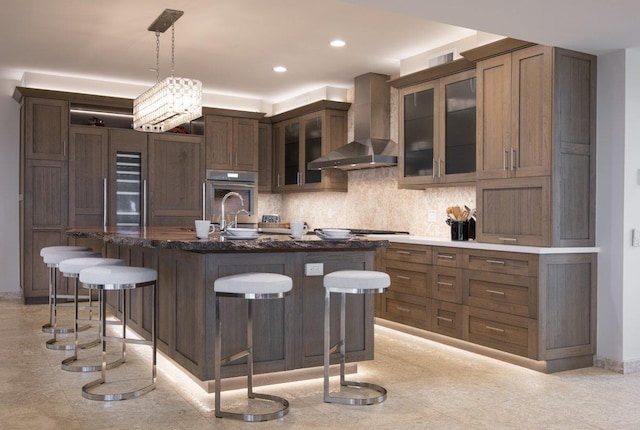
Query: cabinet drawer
point(398, 308)
point(447, 284)
point(501, 262)
point(509, 333)
point(408, 282)
point(446, 318)
point(408, 253)
point(448, 257)
point(516, 295)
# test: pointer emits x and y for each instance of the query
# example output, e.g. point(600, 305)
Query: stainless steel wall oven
point(221, 182)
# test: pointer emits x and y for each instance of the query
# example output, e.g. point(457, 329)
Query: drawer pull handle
point(446, 257)
point(404, 252)
point(499, 330)
point(403, 277)
point(495, 262)
point(401, 309)
point(508, 239)
point(500, 293)
point(445, 284)
point(445, 319)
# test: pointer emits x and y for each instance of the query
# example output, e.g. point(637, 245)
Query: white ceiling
point(232, 45)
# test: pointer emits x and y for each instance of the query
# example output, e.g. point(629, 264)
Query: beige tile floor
point(431, 386)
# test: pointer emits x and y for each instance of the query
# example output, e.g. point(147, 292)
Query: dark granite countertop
point(184, 238)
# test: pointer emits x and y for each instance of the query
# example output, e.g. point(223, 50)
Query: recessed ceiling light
point(337, 43)
point(280, 69)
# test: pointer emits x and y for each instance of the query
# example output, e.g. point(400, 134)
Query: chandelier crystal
point(172, 101)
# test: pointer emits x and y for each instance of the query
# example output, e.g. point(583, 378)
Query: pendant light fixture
point(172, 101)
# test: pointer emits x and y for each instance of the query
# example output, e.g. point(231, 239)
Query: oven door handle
point(230, 184)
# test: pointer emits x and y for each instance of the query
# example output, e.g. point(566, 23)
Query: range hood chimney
point(372, 146)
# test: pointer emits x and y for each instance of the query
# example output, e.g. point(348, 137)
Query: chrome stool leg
point(248, 352)
point(341, 348)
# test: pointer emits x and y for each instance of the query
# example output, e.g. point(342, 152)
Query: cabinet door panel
point(447, 284)
point(47, 129)
point(514, 211)
point(512, 294)
point(265, 158)
point(219, 132)
point(176, 173)
point(532, 81)
point(493, 116)
point(446, 318)
point(245, 148)
point(88, 169)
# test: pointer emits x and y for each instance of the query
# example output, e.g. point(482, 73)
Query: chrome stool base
point(259, 417)
point(114, 396)
point(358, 401)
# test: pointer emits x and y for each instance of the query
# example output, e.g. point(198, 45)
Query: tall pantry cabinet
point(43, 187)
point(536, 148)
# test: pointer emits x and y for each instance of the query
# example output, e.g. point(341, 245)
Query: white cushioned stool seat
point(48, 249)
point(356, 279)
point(253, 283)
point(73, 266)
point(54, 258)
point(117, 275)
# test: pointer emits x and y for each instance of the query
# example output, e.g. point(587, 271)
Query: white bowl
point(241, 231)
point(335, 232)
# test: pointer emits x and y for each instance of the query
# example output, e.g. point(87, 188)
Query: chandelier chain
point(157, 56)
point(173, 42)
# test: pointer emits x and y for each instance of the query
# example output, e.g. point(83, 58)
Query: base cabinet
point(288, 333)
point(538, 306)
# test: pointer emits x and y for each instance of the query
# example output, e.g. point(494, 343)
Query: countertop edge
point(423, 240)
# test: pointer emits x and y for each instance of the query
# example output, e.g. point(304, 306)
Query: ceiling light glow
point(337, 43)
point(279, 69)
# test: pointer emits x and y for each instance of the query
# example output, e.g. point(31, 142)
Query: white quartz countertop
point(423, 240)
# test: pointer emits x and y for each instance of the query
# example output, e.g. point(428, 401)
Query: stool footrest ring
point(114, 396)
point(358, 401)
point(66, 365)
point(259, 417)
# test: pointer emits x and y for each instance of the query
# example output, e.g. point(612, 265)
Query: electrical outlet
point(431, 216)
point(314, 269)
point(635, 237)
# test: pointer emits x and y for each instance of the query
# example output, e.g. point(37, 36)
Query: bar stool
point(248, 286)
point(71, 269)
point(52, 259)
point(349, 282)
point(47, 328)
point(119, 278)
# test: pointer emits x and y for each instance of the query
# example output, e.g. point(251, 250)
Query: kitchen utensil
point(298, 228)
point(204, 228)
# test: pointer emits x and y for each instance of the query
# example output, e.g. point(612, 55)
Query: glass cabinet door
point(419, 133)
point(291, 153)
point(312, 148)
point(460, 127)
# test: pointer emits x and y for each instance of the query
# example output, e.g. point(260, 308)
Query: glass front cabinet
point(438, 131)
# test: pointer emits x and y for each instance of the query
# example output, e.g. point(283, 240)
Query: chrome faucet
point(223, 222)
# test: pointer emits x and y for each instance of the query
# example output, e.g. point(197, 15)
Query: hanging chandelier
point(172, 101)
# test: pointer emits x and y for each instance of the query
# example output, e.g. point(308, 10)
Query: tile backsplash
point(372, 202)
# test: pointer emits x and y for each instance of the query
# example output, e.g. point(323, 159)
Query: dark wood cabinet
point(536, 148)
point(88, 174)
point(176, 174)
point(46, 130)
point(232, 143)
point(438, 131)
point(300, 138)
point(538, 306)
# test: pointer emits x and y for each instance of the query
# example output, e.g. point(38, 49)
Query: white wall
point(9, 177)
point(631, 276)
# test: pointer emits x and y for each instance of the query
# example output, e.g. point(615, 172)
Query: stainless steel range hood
point(372, 146)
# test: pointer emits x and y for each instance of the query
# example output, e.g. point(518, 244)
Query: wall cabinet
point(536, 148)
point(47, 129)
point(438, 131)
point(232, 143)
point(301, 139)
point(538, 306)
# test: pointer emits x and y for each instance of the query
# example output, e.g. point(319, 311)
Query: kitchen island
point(288, 334)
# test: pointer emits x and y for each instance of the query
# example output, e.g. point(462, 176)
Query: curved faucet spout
point(223, 222)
